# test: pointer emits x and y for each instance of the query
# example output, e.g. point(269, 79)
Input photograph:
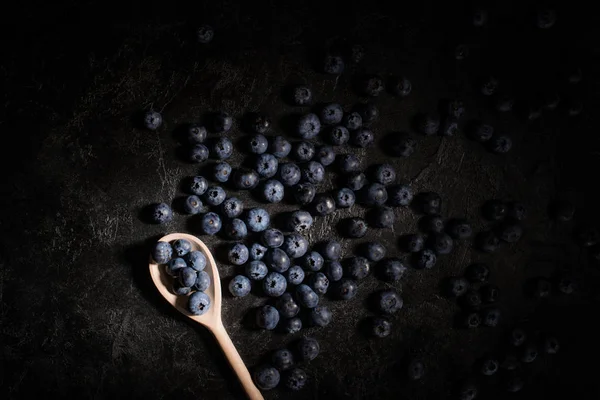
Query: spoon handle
point(236, 362)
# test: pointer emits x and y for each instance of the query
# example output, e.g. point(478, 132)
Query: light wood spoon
point(212, 318)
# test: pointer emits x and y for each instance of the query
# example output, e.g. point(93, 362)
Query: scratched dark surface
point(79, 316)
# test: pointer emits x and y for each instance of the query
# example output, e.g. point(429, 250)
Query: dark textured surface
point(79, 315)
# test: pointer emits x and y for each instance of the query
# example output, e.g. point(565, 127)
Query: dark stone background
point(79, 316)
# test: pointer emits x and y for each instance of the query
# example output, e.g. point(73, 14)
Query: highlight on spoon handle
point(236, 362)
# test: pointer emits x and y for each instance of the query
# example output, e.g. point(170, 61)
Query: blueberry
point(480, 17)
point(202, 281)
point(362, 137)
point(286, 306)
point(313, 172)
point(345, 198)
point(258, 144)
point(299, 221)
point(292, 325)
point(348, 163)
point(425, 259)
point(338, 135)
point(198, 303)
point(371, 85)
point(309, 126)
point(175, 265)
point(214, 195)
point(461, 52)
point(356, 180)
point(283, 359)
point(551, 345)
point(442, 243)
point(187, 276)
point(384, 174)
point(256, 270)
point(306, 297)
point(491, 317)
point(380, 327)
point(477, 273)
point(516, 211)
point(489, 86)
point(323, 204)
point(565, 285)
point(468, 392)
point(399, 195)
point(471, 320)
point(500, 144)
point(313, 261)
point(541, 288)
point(332, 114)
point(152, 120)
point(162, 252)
point(273, 191)
point(301, 95)
point(333, 65)
point(325, 155)
point(179, 290)
point(294, 275)
point(289, 174)
point(303, 151)
point(211, 223)
point(431, 224)
point(304, 193)
point(373, 251)
point(205, 34)
point(308, 349)
point(428, 124)
point(245, 178)
point(222, 122)
point(257, 219)
point(238, 254)
point(236, 229)
point(334, 271)
point(279, 147)
point(374, 194)
point(266, 165)
point(277, 260)
point(295, 379)
point(196, 134)
point(368, 112)
point(181, 247)
point(471, 300)
point(196, 260)
point(319, 283)
point(272, 237)
point(529, 353)
point(391, 270)
point(456, 287)
point(259, 123)
point(400, 86)
point(345, 289)
point(487, 242)
point(331, 250)
point(354, 227)
point(489, 293)
point(514, 384)
point(267, 317)
point(562, 210)
point(551, 101)
point(587, 236)
point(430, 203)
point(357, 53)
point(197, 185)
point(357, 268)
point(504, 103)
point(352, 121)
point(481, 132)
point(459, 229)
point(455, 109)
point(416, 370)
point(545, 18)
point(266, 377)
point(489, 366)
point(232, 207)
point(161, 213)
point(402, 145)
point(222, 171)
point(382, 217)
point(222, 148)
point(389, 301)
point(517, 337)
point(295, 245)
point(415, 243)
point(320, 316)
point(510, 232)
point(449, 127)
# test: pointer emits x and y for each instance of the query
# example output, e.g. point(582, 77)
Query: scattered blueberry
point(339, 135)
point(518, 337)
point(238, 254)
point(449, 127)
point(432, 224)
point(309, 126)
point(267, 317)
point(391, 270)
point(197, 185)
point(368, 112)
point(562, 210)
point(325, 155)
point(442, 243)
point(384, 174)
point(415, 243)
point(236, 229)
point(333, 271)
point(352, 121)
point(266, 377)
point(162, 252)
point(541, 288)
point(232, 207)
point(333, 65)
point(399, 195)
point(362, 137)
point(402, 145)
point(294, 275)
point(257, 219)
point(416, 370)
point(202, 281)
point(266, 165)
point(468, 392)
point(358, 268)
point(425, 259)
point(514, 384)
point(459, 229)
point(283, 359)
point(400, 86)
point(313, 172)
point(295, 379)
point(256, 270)
point(308, 349)
point(489, 293)
point(273, 191)
point(480, 17)
point(222, 171)
point(357, 52)
point(380, 327)
point(286, 306)
point(354, 227)
point(303, 151)
point(175, 265)
point(529, 353)
point(345, 289)
point(320, 316)
point(472, 320)
point(487, 241)
point(245, 178)
point(477, 273)
point(180, 290)
point(551, 345)
point(289, 174)
point(431, 203)
point(161, 213)
point(277, 260)
point(461, 52)
point(504, 103)
point(306, 297)
point(295, 245)
point(345, 198)
point(304, 193)
point(482, 132)
point(517, 211)
point(332, 114)
point(382, 217)
point(196, 134)
point(292, 325)
point(299, 221)
point(301, 95)
point(500, 144)
point(181, 247)
point(222, 148)
point(489, 366)
point(222, 122)
point(187, 276)
point(313, 261)
point(198, 303)
point(319, 283)
point(471, 300)
point(373, 251)
point(258, 144)
point(489, 86)
point(389, 301)
point(348, 163)
point(323, 204)
point(152, 120)
point(196, 260)
point(587, 236)
point(545, 18)
point(510, 232)
point(214, 195)
point(428, 124)
point(279, 147)
point(457, 287)
point(374, 194)
point(331, 250)
point(491, 317)
point(356, 180)
point(565, 285)
point(205, 34)
point(259, 123)
point(211, 223)
point(371, 85)
point(272, 237)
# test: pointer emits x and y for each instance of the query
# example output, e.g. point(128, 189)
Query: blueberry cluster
point(186, 266)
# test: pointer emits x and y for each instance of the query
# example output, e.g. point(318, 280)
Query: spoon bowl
point(212, 318)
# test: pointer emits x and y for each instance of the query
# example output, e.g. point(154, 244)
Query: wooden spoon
point(212, 318)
